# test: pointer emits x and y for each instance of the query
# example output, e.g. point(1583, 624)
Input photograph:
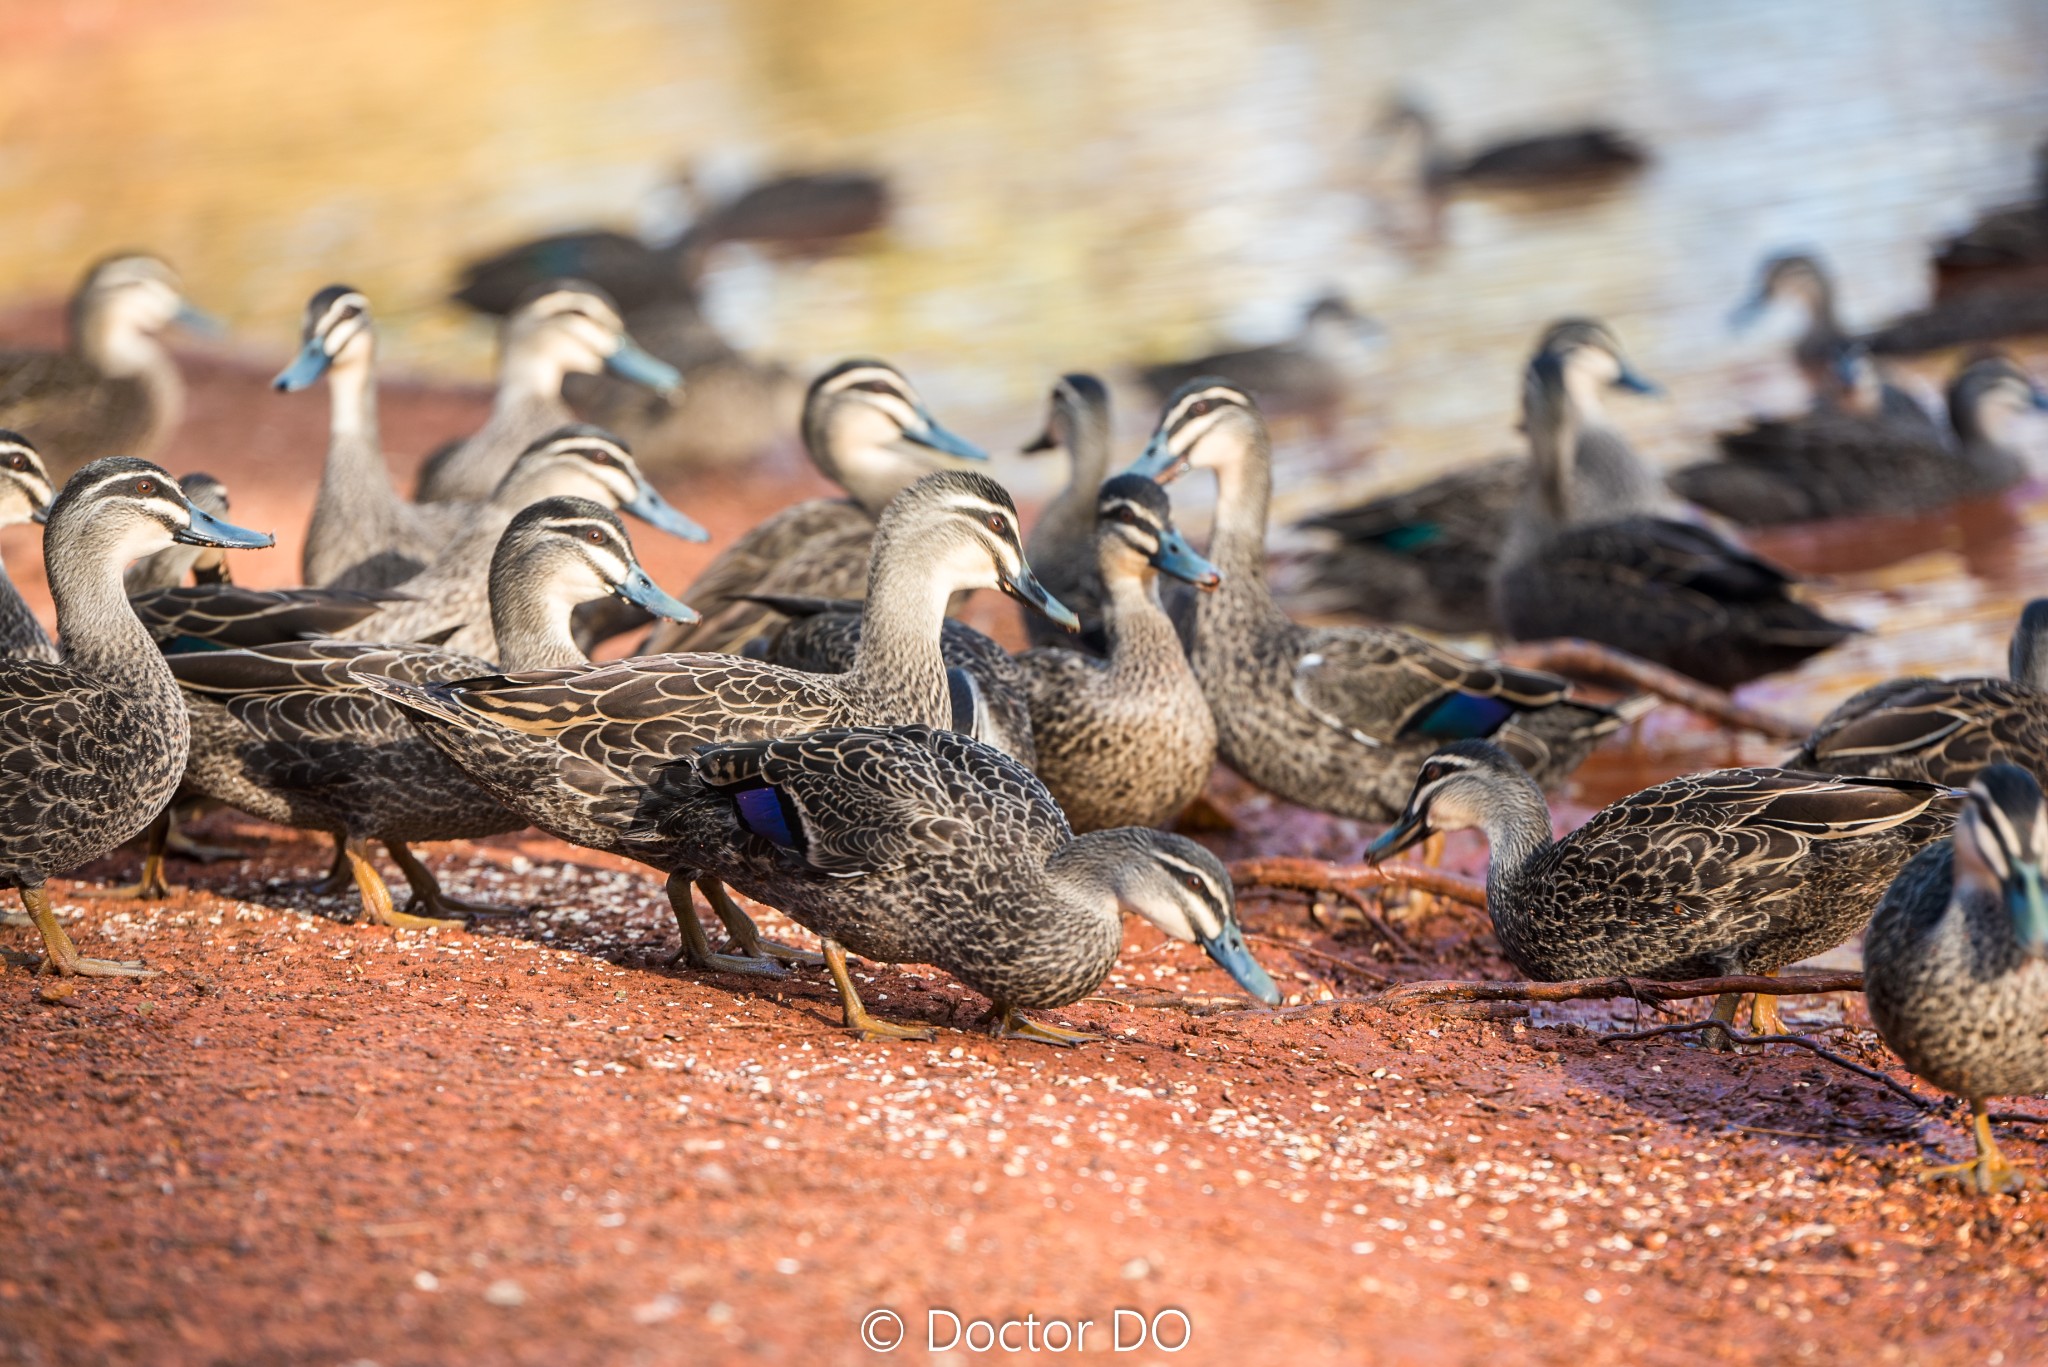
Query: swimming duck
point(1944, 730)
point(870, 433)
point(1733, 872)
point(91, 747)
point(114, 388)
point(1062, 540)
point(1852, 460)
point(450, 601)
point(916, 845)
point(1566, 156)
point(363, 534)
point(292, 734)
point(1308, 375)
point(573, 751)
point(1334, 718)
point(25, 494)
point(565, 327)
point(1955, 965)
point(1596, 558)
point(168, 568)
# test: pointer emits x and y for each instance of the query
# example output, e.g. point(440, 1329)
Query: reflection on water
point(1082, 183)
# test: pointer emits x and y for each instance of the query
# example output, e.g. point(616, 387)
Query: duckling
point(1861, 459)
point(114, 388)
point(1597, 559)
point(92, 747)
point(564, 327)
point(1334, 718)
point(363, 535)
point(1728, 873)
point(1062, 540)
point(573, 751)
point(916, 845)
point(870, 433)
point(1943, 730)
point(293, 734)
point(25, 493)
point(1955, 965)
point(450, 600)
point(168, 568)
point(1308, 375)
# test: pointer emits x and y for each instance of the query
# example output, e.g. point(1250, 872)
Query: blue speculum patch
point(1462, 716)
point(761, 812)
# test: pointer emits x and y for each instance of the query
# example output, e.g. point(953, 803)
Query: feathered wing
point(228, 616)
point(814, 548)
point(50, 731)
point(71, 411)
point(1380, 687)
point(1942, 730)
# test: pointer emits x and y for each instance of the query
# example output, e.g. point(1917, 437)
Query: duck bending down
point(573, 751)
point(1615, 569)
point(1335, 718)
point(867, 430)
point(293, 734)
point(917, 845)
point(93, 745)
point(1955, 966)
point(114, 387)
point(1733, 872)
point(564, 327)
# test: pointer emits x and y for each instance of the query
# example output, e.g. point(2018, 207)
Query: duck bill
point(205, 529)
point(195, 321)
point(1038, 445)
point(1635, 383)
point(309, 365)
point(1158, 463)
point(1025, 588)
point(629, 361)
point(40, 515)
point(933, 437)
point(1411, 829)
point(1745, 314)
point(657, 512)
point(1228, 949)
point(640, 590)
point(1177, 558)
point(2027, 902)
point(2040, 398)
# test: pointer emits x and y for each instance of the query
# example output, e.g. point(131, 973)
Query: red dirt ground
point(312, 1142)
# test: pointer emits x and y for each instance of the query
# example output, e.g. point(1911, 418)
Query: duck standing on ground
point(1062, 540)
point(916, 845)
point(92, 747)
point(1955, 966)
point(1334, 718)
point(1727, 873)
point(114, 388)
point(566, 327)
point(25, 494)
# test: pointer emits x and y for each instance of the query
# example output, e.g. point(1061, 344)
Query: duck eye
point(996, 524)
point(1201, 406)
point(145, 487)
point(17, 461)
point(1194, 882)
point(595, 537)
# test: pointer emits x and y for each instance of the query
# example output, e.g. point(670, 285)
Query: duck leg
point(1725, 1007)
point(857, 1018)
point(427, 897)
point(184, 846)
point(60, 955)
point(1763, 1013)
point(1988, 1174)
point(151, 885)
point(1005, 1022)
point(340, 877)
point(745, 933)
point(377, 905)
point(696, 948)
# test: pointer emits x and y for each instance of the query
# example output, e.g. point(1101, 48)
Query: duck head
point(1457, 789)
point(25, 485)
point(868, 430)
point(2001, 844)
point(122, 304)
point(579, 550)
point(591, 463)
point(1134, 520)
point(140, 510)
point(960, 528)
point(1077, 414)
point(1207, 424)
point(338, 331)
point(571, 327)
point(1185, 891)
point(1795, 282)
point(1990, 396)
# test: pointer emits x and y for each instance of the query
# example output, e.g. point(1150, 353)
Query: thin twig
point(1591, 660)
point(1383, 927)
point(1797, 1041)
point(1316, 875)
point(1437, 992)
point(1296, 947)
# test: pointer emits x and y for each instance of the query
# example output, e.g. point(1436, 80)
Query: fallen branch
point(1317, 875)
point(1591, 660)
point(1438, 992)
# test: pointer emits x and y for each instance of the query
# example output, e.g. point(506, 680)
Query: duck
point(1570, 157)
point(1861, 459)
point(1727, 873)
point(563, 327)
point(1062, 540)
point(363, 534)
point(1308, 375)
point(572, 751)
point(913, 844)
point(1955, 964)
point(867, 431)
point(1334, 718)
point(1603, 558)
point(92, 746)
point(449, 602)
point(25, 493)
point(114, 387)
point(291, 733)
point(1943, 730)
point(169, 568)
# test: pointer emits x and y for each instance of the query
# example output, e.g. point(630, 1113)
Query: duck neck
point(530, 618)
point(1087, 878)
point(1141, 635)
point(1071, 514)
point(355, 485)
point(118, 348)
point(898, 665)
point(102, 636)
point(1553, 419)
point(20, 633)
point(1237, 542)
point(1517, 828)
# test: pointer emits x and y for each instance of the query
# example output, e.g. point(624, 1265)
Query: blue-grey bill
point(207, 530)
point(1229, 950)
point(640, 589)
point(937, 438)
point(650, 507)
point(306, 367)
point(1177, 558)
point(194, 320)
point(1025, 588)
point(630, 362)
point(1158, 462)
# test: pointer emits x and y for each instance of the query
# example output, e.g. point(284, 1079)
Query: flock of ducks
point(809, 727)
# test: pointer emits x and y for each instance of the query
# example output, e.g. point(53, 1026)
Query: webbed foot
point(857, 1018)
point(1988, 1174)
point(429, 899)
point(377, 904)
point(61, 957)
point(745, 934)
point(1006, 1023)
point(696, 948)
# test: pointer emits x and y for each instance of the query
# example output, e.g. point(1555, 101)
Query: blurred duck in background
point(1307, 376)
point(1062, 540)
